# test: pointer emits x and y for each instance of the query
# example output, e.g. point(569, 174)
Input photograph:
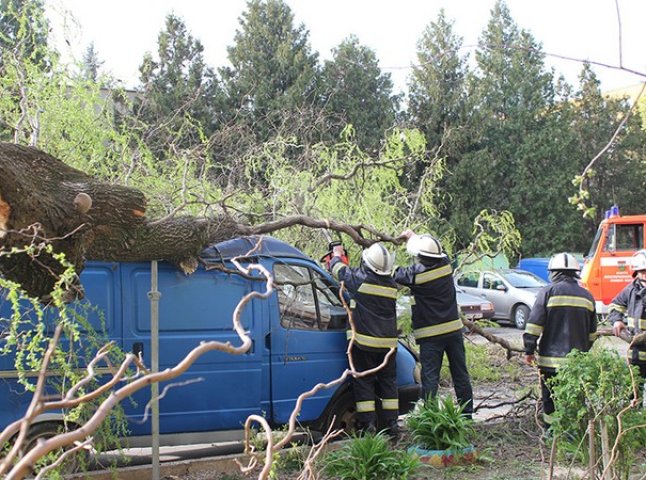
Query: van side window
point(306, 299)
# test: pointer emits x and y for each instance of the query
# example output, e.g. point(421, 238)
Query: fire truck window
point(629, 237)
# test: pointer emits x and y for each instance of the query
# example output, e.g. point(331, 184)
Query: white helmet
point(638, 262)
point(424, 245)
point(377, 259)
point(563, 262)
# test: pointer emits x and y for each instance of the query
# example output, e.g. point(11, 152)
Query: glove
point(335, 249)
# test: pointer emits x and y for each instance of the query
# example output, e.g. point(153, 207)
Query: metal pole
point(154, 296)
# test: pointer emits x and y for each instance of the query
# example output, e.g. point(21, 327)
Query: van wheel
point(342, 414)
point(521, 314)
point(48, 430)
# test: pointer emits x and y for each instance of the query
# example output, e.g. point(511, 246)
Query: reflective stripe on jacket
point(563, 318)
point(373, 299)
point(434, 306)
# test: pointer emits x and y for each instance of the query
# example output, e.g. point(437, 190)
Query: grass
point(370, 457)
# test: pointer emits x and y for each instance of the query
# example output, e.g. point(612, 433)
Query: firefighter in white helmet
point(562, 319)
point(437, 326)
point(627, 310)
point(373, 295)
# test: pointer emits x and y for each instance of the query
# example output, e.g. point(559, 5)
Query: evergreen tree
point(619, 175)
point(273, 70)
point(23, 32)
point(355, 88)
point(437, 98)
point(179, 100)
point(91, 63)
point(515, 161)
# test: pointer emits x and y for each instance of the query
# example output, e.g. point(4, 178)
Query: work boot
point(393, 431)
point(364, 428)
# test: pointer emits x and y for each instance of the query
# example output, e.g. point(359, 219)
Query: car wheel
point(48, 430)
point(521, 313)
point(342, 415)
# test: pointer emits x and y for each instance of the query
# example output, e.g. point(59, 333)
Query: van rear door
point(307, 339)
point(195, 308)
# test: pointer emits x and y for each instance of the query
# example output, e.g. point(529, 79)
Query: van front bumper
point(408, 396)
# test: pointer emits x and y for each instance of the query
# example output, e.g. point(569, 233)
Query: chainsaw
point(327, 258)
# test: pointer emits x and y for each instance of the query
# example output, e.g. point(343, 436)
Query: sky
point(123, 31)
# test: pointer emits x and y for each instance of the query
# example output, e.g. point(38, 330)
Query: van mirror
point(338, 321)
point(501, 287)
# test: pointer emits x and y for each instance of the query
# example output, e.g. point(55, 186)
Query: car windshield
point(521, 279)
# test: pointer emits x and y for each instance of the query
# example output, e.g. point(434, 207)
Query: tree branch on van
point(85, 218)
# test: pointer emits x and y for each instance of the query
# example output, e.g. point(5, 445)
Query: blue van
point(298, 339)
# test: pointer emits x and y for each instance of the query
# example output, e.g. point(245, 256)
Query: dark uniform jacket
point(628, 307)
point(434, 307)
point(563, 318)
point(373, 299)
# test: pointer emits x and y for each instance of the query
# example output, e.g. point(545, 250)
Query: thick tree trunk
point(40, 202)
point(44, 201)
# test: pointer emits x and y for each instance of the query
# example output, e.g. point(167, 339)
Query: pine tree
point(437, 98)
point(23, 32)
point(179, 99)
point(515, 161)
point(91, 63)
point(355, 89)
point(273, 71)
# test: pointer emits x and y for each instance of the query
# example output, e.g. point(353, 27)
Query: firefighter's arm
point(535, 324)
point(593, 324)
point(404, 276)
point(338, 268)
point(617, 312)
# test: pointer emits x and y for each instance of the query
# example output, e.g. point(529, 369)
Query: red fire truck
point(606, 269)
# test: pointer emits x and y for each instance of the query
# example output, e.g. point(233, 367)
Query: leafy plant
point(591, 391)
point(439, 424)
point(369, 457)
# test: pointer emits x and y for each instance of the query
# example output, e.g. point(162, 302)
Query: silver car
point(512, 292)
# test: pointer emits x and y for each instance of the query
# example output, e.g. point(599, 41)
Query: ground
point(508, 440)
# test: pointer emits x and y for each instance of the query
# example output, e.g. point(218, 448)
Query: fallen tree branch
point(504, 343)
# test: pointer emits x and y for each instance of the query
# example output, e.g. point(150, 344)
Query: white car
point(512, 292)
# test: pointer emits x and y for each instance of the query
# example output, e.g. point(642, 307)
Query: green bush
point(439, 424)
point(592, 389)
point(369, 457)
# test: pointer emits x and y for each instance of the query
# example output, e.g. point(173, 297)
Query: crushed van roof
point(241, 246)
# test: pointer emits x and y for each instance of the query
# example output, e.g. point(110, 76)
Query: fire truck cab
point(606, 269)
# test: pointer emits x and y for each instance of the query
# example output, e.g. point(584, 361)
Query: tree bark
point(44, 201)
point(40, 203)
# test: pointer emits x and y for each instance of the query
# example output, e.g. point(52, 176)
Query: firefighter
point(562, 319)
point(373, 296)
point(437, 326)
point(627, 308)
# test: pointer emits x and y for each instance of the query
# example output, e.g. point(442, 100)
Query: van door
point(98, 310)
point(307, 338)
point(220, 390)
